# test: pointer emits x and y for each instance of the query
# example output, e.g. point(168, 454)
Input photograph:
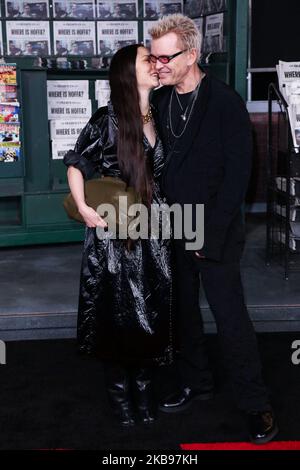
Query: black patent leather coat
point(125, 310)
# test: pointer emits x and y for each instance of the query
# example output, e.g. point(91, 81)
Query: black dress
point(125, 300)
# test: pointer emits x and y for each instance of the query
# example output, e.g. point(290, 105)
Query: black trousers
point(224, 292)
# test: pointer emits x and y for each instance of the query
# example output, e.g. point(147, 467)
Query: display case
point(283, 188)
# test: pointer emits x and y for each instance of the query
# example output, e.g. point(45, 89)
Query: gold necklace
point(147, 117)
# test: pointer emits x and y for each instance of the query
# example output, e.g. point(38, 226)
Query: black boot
point(117, 387)
point(142, 379)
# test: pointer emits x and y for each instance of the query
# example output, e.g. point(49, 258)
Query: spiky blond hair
point(183, 26)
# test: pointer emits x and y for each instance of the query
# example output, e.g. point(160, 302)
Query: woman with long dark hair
point(125, 299)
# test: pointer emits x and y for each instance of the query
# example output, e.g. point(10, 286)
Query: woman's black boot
point(144, 395)
point(117, 387)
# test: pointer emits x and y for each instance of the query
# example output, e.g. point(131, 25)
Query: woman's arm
point(76, 184)
point(82, 163)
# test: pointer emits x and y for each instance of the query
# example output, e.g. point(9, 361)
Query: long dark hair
point(125, 100)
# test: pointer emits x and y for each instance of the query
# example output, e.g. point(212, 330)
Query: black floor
point(52, 398)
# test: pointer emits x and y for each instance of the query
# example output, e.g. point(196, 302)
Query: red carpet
point(279, 445)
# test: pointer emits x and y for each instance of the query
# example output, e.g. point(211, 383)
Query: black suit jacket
point(211, 164)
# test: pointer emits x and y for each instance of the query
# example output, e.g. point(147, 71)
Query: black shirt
point(178, 123)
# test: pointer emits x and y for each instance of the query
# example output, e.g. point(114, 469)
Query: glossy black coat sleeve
point(87, 153)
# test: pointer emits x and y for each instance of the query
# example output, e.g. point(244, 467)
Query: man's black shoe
point(262, 426)
point(182, 399)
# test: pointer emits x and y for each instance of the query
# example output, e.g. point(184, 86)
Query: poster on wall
point(147, 38)
point(154, 9)
point(117, 10)
point(102, 92)
point(32, 9)
point(213, 40)
point(199, 23)
point(194, 8)
point(61, 147)
point(64, 129)
point(213, 6)
point(113, 35)
point(67, 89)
point(69, 109)
point(74, 38)
point(28, 38)
point(74, 9)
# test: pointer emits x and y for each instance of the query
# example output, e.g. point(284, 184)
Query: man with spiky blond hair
point(206, 133)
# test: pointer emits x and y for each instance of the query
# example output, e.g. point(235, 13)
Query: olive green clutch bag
point(104, 190)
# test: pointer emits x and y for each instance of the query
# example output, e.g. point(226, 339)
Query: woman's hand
point(91, 217)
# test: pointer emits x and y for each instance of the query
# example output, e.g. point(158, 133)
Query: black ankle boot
point(144, 395)
point(117, 387)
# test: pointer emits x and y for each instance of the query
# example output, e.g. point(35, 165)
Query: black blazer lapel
point(159, 106)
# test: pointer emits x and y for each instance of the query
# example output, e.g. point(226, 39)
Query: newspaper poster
point(102, 92)
point(113, 35)
point(288, 78)
point(67, 109)
point(28, 38)
point(61, 147)
point(154, 9)
point(199, 22)
point(77, 9)
point(213, 6)
point(289, 85)
point(9, 152)
point(30, 9)
point(67, 90)
point(147, 38)
point(117, 10)
point(74, 38)
point(8, 74)
point(9, 113)
point(213, 40)
point(64, 129)
point(194, 8)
